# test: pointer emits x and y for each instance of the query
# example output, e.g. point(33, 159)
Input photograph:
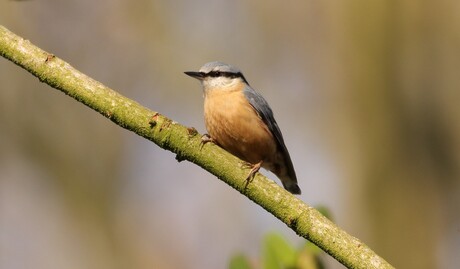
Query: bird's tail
point(284, 170)
point(287, 175)
point(290, 184)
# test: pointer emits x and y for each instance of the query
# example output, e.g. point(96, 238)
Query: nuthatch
point(239, 120)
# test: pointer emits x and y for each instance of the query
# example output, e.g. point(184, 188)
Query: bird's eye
point(216, 74)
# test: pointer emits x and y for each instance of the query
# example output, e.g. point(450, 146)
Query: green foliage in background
point(278, 253)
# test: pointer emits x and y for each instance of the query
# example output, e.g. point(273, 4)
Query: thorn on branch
point(153, 120)
point(191, 132)
point(49, 57)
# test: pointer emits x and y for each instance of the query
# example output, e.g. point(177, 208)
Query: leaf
point(239, 262)
point(277, 252)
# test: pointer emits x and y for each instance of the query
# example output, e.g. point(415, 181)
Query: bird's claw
point(254, 169)
point(206, 139)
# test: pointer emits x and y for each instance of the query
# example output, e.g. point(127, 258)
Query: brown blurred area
point(366, 94)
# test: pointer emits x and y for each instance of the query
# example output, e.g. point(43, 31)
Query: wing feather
point(265, 112)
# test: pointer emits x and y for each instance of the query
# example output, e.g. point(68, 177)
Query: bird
point(239, 119)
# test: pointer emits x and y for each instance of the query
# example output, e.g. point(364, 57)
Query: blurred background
point(366, 94)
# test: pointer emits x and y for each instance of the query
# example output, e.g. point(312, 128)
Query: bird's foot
point(254, 169)
point(206, 139)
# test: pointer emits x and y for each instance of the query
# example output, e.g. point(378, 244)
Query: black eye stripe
point(215, 74)
point(223, 74)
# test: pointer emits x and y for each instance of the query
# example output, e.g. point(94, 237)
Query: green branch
point(185, 143)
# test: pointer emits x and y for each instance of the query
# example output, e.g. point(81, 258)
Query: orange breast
point(234, 124)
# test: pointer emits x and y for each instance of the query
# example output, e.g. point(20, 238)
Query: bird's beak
point(197, 75)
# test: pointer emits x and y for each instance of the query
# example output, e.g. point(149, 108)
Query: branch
point(185, 143)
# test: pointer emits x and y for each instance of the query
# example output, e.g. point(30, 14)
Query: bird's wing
point(265, 112)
